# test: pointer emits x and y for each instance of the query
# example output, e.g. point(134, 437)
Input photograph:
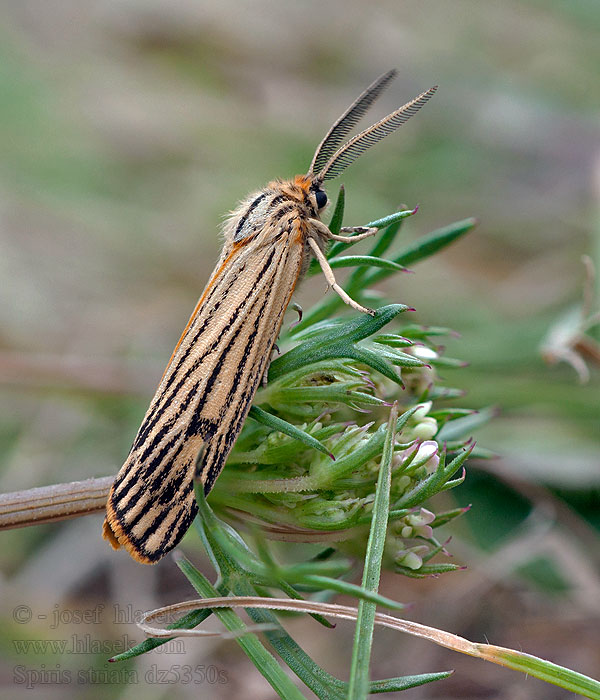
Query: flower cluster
point(322, 491)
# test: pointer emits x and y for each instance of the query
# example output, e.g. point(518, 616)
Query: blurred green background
point(129, 129)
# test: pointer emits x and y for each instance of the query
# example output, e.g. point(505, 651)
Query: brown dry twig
point(47, 504)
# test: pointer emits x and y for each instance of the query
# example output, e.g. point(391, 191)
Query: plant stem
point(47, 504)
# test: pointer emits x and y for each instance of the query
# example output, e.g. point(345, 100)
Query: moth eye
point(321, 198)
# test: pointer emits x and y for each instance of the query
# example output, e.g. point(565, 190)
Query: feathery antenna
point(349, 119)
point(357, 145)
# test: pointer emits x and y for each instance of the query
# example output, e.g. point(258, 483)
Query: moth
point(210, 381)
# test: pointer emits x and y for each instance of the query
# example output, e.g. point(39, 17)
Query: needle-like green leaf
point(271, 421)
point(358, 685)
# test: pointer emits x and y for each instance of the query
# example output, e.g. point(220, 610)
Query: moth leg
point(330, 277)
point(266, 372)
point(298, 309)
point(362, 231)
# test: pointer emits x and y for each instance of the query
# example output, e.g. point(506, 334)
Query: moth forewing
point(210, 381)
point(205, 393)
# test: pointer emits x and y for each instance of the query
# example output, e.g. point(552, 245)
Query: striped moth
point(208, 386)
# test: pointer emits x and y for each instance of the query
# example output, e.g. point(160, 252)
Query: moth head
point(331, 158)
point(317, 196)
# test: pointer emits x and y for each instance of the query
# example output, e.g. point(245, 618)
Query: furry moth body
point(208, 386)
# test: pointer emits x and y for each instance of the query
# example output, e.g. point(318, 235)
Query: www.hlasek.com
point(87, 644)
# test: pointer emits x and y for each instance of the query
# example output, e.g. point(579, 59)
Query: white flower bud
point(424, 353)
point(427, 455)
point(426, 428)
point(421, 411)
